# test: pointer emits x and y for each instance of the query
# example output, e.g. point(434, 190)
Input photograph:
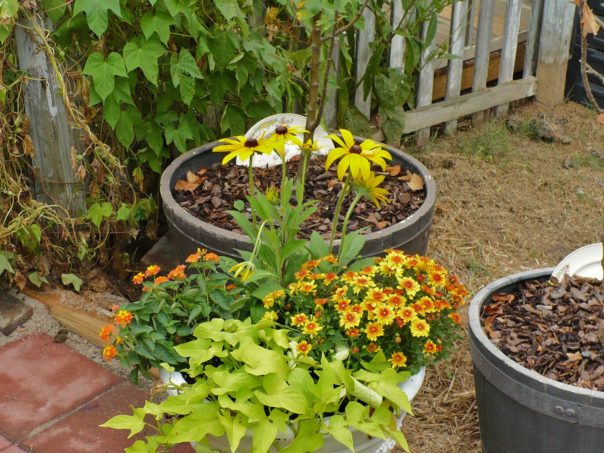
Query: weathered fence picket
point(456, 47)
point(483, 53)
point(425, 82)
point(397, 47)
point(510, 45)
point(361, 99)
point(532, 41)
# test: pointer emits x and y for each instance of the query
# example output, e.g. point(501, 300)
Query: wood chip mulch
point(210, 192)
point(555, 329)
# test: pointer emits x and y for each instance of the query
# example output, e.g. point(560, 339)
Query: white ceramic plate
point(267, 126)
point(583, 262)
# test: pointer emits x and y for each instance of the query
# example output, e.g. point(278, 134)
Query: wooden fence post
point(363, 53)
point(55, 142)
point(554, 49)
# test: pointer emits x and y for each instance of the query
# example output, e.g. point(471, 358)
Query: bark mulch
point(210, 192)
point(555, 329)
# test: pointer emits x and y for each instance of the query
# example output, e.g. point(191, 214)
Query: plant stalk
point(357, 197)
point(338, 209)
point(252, 187)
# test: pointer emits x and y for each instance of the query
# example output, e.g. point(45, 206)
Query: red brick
point(81, 431)
point(12, 449)
point(4, 443)
point(41, 380)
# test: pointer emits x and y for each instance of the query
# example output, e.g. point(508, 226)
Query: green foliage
point(71, 279)
point(252, 388)
point(169, 309)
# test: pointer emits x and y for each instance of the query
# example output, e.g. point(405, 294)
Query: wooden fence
point(504, 47)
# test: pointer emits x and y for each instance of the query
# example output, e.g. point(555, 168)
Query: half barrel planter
point(520, 410)
point(362, 442)
point(187, 232)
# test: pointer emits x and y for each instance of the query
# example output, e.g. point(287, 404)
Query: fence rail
point(498, 47)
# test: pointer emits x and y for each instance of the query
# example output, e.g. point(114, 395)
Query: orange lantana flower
point(109, 352)
point(106, 332)
point(138, 278)
point(152, 270)
point(178, 273)
point(123, 318)
point(211, 257)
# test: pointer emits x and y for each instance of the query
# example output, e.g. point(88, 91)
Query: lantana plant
point(144, 333)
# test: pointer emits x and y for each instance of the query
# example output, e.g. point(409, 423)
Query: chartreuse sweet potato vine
point(250, 381)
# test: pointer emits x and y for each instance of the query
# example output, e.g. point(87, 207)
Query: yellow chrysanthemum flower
point(311, 328)
point(303, 347)
point(420, 328)
point(374, 330)
point(349, 319)
point(398, 360)
point(354, 156)
point(243, 147)
point(270, 315)
point(369, 188)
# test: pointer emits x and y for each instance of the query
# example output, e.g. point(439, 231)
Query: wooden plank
point(331, 103)
point(425, 83)
point(467, 77)
point(532, 50)
point(554, 46)
point(483, 41)
point(397, 47)
point(473, 5)
point(458, 36)
point(468, 104)
point(364, 52)
point(52, 135)
point(510, 45)
point(61, 306)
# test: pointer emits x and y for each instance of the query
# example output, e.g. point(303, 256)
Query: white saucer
point(583, 262)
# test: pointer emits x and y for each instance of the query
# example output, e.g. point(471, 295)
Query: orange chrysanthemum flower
point(455, 317)
point(178, 273)
point(396, 300)
point(349, 319)
point(410, 286)
point(299, 319)
point(303, 347)
point(106, 332)
point(152, 270)
point(330, 259)
point(342, 305)
point(321, 301)
point(123, 318)
point(330, 277)
point(353, 333)
point(384, 314)
point(212, 257)
point(109, 352)
point(375, 295)
point(311, 328)
point(420, 328)
point(374, 330)
point(398, 360)
point(138, 278)
point(301, 274)
point(372, 347)
point(430, 347)
point(407, 313)
point(356, 308)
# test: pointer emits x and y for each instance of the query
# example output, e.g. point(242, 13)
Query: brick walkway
point(53, 399)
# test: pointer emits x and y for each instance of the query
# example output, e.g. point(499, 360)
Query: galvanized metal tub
point(521, 410)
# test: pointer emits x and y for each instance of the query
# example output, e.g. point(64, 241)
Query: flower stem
point(252, 187)
point(345, 223)
point(302, 180)
point(336, 214)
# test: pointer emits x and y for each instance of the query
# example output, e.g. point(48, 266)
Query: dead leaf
point(184, 185)
point(192, 178)
point(416, 182)
point(332, 183)
point(600, 118)
point(20, 280)
point(588, 21)
point(406, 177)
point(381, 225)
point(394, 170)
point(503, 297)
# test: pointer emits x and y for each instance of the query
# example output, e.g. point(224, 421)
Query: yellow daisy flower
point(284, 134)
point(398, 360)
point(354, 156)
point(374, 331)
point(243, 147)
point(369, 188)
point(420, 328)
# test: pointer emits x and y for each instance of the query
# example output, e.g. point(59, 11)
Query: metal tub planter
point(521, 410)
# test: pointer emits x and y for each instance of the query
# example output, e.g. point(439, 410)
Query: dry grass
point(506, 203)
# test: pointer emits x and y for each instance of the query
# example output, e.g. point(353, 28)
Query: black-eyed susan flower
point(369, 187)
point(243, 148)
point(286, 134)
point(355, 156)
point(243, 270)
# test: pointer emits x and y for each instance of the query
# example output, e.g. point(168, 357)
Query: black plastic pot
point(521, 410)
point(188, 232)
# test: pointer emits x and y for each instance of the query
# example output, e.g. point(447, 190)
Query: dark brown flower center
point(356, 149)
point(281, 130)
point(251, 143)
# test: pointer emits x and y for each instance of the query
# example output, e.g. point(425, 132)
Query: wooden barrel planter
point(521, 410)
point(188, 232)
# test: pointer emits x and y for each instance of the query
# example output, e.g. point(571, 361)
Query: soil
point(211, 192)
point(555, 329)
